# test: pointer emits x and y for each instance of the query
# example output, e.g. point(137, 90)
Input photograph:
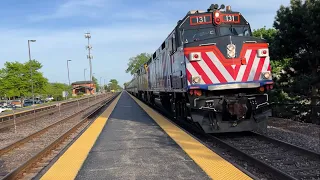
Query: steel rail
point(31, 110)
point(277, 172)
point(30, 116)
point(22, 170)
point(38, 133)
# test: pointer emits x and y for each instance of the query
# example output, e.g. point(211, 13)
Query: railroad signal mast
point(89, 56)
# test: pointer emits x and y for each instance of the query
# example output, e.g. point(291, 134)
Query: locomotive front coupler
point(234, 105)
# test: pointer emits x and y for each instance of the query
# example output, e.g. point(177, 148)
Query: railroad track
point(9, 120)
point(267, 157)
point(282, 160)
point(40, 148)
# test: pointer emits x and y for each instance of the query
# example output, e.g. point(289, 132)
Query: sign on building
point(65, 94)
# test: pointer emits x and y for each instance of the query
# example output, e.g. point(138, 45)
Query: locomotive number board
point(203, 19)
point(230, 18)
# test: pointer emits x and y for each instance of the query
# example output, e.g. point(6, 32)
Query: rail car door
point(177, 65)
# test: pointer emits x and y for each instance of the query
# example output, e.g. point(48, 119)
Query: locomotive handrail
point(207, 44)
point(250, 41)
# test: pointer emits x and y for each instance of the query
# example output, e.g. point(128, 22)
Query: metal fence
point(297, 112)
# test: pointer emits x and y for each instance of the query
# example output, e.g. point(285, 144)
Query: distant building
point(83, 87)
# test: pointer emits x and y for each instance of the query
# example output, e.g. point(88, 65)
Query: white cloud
point(114, 41)
point(112, 47)
point(71, 8)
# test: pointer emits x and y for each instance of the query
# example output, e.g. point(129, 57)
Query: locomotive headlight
point(231, 50)
point(196, 79)
point(266, 75)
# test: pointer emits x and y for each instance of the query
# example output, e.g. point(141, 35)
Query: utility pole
point(84, 73)
point(31, 69)
point(89, 56)
point(68, 71)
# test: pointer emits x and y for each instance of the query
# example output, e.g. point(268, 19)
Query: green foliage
point(296, 44)
point(113, 85)
point(55, 90)
point(125, 84)
point(137, 61)
point(95, 81)
point(15, 79)
point(269, 35)
point(299, 34)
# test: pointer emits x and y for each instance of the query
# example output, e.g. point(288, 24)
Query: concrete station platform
point(132, 141)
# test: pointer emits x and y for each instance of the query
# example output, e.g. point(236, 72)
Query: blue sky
point(120, 29)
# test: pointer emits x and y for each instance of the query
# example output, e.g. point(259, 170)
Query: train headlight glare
point(196, 79)
point(266, 75)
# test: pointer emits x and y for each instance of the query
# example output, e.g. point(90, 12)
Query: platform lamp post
point(31, 69)
point(84, 73)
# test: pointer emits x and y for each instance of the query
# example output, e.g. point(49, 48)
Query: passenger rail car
point(210, 71)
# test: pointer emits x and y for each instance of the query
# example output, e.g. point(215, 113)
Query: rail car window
point(235, 30)
point(190, 35)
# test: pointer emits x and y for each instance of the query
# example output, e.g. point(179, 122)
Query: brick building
point(83, 87)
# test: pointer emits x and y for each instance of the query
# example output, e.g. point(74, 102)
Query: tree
point(16, 81)
point(298, 37)
point(55, 90)
point(269, 35)
point(137, 61)
point(125, 84)
point(113, 85)
point(95, 81)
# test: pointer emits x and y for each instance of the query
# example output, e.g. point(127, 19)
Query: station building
point(83, 87)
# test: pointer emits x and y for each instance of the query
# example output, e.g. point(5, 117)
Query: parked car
point(10, 107)
point(49, 99)
point(17, 103)
point(2, 109)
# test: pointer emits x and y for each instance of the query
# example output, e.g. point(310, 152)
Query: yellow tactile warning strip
point(68, 165)
point(215, 166)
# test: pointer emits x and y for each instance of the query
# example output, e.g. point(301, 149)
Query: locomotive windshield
point(190, 35)
point(235, 30)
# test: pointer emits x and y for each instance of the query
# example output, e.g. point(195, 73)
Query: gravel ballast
point(305, 135)
point(19, 155)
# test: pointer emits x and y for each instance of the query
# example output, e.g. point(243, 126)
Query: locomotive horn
point(213, 7)
point(222, 6)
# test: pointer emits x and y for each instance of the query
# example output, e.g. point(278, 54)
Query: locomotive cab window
point(191, 35)
point(235, 30)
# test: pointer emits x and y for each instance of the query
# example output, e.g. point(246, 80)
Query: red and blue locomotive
point(210, 71)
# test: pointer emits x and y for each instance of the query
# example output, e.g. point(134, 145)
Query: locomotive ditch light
point(196, 79)
point(266, 75)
